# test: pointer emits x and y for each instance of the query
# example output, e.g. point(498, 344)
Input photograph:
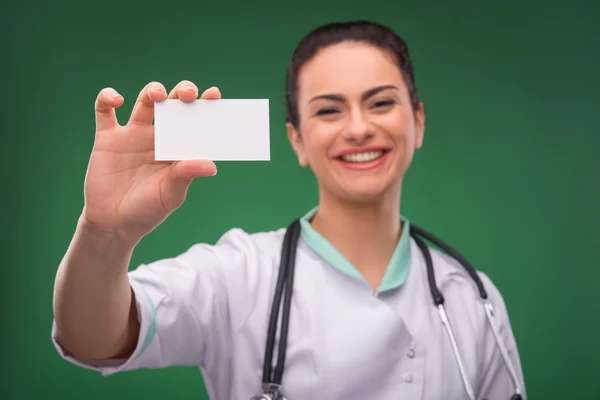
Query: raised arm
point(127, 195)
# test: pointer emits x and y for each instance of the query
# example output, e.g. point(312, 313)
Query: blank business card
point(218, 130)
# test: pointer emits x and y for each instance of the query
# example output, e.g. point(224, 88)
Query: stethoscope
point(271, 381)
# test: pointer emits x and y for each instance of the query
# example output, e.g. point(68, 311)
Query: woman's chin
point(366, 192)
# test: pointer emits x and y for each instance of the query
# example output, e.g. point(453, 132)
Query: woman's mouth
point(364, 161)
point(362, 157)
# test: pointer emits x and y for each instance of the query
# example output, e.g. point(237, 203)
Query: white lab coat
point(209, 307)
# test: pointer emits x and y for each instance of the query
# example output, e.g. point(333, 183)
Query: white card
point(218, 130)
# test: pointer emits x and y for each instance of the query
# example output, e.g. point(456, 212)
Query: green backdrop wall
point(508, 173)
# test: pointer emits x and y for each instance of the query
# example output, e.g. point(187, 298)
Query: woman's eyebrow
point(340, 98)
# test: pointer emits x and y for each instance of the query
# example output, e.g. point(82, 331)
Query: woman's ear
point(419, 126)
point(297, 144)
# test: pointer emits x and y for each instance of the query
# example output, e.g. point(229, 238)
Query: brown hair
point(334, 33)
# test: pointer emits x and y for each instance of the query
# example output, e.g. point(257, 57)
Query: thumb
point(190, 169)
point(178, 178)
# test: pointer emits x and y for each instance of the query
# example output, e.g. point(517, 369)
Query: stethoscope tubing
point(285, 281)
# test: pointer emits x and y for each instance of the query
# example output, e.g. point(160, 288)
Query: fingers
point(212, 93)
point(178, 179)
point(184, 91)
point(187, 91)
point(143, 110)
point(108, 99)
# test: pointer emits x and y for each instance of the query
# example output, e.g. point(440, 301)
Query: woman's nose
point(358, 128)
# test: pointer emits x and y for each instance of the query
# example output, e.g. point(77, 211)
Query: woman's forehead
point(348, 69)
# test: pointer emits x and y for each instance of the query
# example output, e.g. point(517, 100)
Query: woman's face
point(357, 129)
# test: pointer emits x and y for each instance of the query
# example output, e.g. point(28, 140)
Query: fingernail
point(115, 95)
point(189, 87)
point(160, 88)
point(214, 173)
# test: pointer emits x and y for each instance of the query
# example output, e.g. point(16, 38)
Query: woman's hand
point(128, 193)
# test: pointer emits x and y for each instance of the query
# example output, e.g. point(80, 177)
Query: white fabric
point(210, 308)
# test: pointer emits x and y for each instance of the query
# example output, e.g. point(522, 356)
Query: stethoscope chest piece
point(269, 396)
point(271, 391)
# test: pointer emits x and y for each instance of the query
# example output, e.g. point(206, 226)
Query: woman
point(362, 323)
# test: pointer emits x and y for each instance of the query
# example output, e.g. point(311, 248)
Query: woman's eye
point(383, 103)
point(326, 111)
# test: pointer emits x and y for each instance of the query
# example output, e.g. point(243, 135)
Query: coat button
point(410, 353)
point(408, 378)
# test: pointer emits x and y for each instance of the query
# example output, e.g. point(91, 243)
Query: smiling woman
point(352, 99)
point(362, 322)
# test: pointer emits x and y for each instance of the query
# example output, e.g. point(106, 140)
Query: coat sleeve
point(188, 307)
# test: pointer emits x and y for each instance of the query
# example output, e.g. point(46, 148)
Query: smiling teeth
point(362, 157)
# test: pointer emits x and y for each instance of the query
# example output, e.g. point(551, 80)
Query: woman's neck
point(365, 233)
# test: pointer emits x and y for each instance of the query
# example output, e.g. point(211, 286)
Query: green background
point(508, 173)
